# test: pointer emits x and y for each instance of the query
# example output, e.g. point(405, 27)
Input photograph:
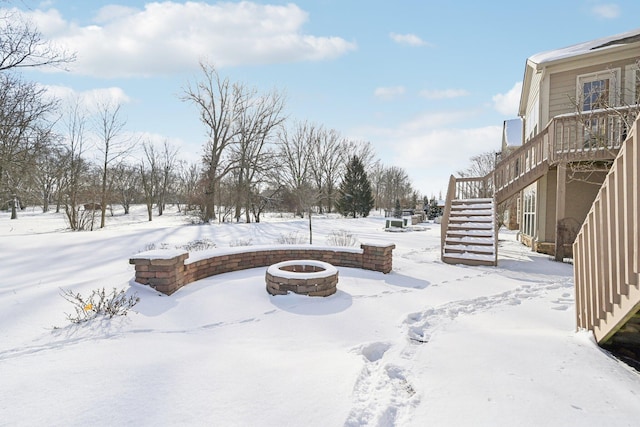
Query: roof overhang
point(571, 56)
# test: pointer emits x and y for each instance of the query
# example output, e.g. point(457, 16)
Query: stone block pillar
point(163, 270)
point(377, 257)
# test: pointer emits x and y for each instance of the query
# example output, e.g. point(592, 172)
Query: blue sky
point(428, 83)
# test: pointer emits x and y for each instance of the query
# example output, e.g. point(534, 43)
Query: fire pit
point(304, 277)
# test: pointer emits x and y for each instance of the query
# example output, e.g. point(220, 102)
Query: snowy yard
point(428, 344)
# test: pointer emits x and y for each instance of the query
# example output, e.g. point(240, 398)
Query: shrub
point(341, 238)
point(192, 246)
point(240, 242)
point(197, 245)
point(291, 239)
point(99, 303)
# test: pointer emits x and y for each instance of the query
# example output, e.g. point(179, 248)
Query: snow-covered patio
point(427, 344)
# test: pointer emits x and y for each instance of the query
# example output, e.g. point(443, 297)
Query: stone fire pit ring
point(303, 277)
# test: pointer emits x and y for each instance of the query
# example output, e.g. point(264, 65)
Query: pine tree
point(355, 198)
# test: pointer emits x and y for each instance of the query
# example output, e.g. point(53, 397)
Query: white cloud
point(443, 94)
point(89, 99)
point(410, 39)
point(389, 92)
point(507, 103)
point(167, 37)
point(431, 147)
point(607, 11)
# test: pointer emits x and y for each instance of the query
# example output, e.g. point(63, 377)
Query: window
point(529, 211)
point(632, 84)
point(597, 91)
point(595, 94)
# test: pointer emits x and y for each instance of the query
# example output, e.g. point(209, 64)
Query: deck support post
point(561, 189)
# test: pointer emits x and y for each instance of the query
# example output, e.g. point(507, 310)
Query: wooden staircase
point(561, 141)
point(607, 257)
point(470, 236)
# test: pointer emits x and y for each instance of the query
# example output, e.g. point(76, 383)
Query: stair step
point(469, 240)
point(476, 207)
point(476, 249)
point(470, 233)
point(471, 226)
point(472, 201)
point(469, 259)
point(472, 212)
point(471, 218)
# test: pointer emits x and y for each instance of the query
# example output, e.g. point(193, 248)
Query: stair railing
point(460, 189)
point(606, 252)
point(444, 221)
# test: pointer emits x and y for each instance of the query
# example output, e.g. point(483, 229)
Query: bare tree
point(604, 118)
point(187, 181)
point(259, 116)
point(376, 175)
point(126, 185)
point(166, 166)
point(480, 165)
point(396, 186)
point(364, 151)
point(72, 182)
point(22, 45)
point(47, 174)
point(328, 158)
point(149, 170)
point(25, 129)
point(112, 145)
point(294, 152)
point(218, 102)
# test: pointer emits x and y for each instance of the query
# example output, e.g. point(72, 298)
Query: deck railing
point(606, 253)
point(583, 136)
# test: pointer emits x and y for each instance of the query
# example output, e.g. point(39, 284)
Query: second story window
point(598, 90)
point(632, 83)
point(595, 94)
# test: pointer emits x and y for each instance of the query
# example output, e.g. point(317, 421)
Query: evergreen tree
point(434, 210)
point(355, 198)
point(397, 210)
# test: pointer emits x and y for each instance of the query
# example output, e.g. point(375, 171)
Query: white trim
point(613, 75)
point(529, 213)
point(631, 76)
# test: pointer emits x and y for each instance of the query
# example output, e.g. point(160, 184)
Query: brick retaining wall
point(168, 270)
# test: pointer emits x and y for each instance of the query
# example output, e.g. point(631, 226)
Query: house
point(588, 94)
point(573, 184)
point(576, 107)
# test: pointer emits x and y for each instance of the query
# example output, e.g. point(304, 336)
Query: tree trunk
point(14, 206)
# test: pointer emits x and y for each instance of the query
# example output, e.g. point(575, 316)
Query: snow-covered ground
point(428, 344)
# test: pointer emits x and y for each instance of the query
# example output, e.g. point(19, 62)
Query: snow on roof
point(632, 36)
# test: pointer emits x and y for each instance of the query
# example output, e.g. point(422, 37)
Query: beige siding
point(580, 197)
point(563, 85)
point(581, 194)
point(532, 117)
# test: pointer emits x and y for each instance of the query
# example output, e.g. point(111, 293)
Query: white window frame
point(631, 78)
point(529, 201)
point(613, 75)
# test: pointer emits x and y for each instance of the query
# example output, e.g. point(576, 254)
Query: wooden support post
point(561, 188)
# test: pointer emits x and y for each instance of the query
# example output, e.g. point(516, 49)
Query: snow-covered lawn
point(428, 344)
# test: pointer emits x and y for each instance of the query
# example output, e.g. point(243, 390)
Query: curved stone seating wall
point(168, 270)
